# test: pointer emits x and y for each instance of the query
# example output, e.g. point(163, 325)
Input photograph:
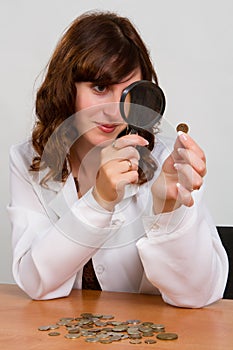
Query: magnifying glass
point(142, 104)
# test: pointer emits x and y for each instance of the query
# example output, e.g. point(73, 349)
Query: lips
point(107, 128)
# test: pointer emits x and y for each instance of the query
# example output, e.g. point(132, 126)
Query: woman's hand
point(118, 167)
point(182, 172)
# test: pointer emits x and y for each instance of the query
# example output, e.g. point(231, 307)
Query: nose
point(112, 106)
point(112, 109)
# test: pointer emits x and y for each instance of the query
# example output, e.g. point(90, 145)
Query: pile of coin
point(104, 329)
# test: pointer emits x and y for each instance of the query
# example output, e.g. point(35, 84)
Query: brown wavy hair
point(99, 47)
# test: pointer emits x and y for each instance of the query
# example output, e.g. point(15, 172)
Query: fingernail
point(180, 150)
point(182, 135)
point(179, 186)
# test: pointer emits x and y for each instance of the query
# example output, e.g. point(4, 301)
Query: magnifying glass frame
point(129, 88)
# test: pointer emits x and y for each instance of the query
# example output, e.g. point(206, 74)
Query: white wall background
point(191, 44)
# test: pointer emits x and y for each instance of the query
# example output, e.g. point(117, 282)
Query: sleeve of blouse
point(182, 254)
point(49, 250)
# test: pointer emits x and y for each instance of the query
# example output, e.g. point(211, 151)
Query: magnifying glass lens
point(142, 104)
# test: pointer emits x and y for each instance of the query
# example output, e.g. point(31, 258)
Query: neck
point(85, 159)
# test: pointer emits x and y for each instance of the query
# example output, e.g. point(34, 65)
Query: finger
point(109, 154)
point(185, 141)
point(129, 140)
point(184, 196)
point(190, 157)
point(128, 153)
point(128, 165)
point(115, 169)
point(129, 177)
point(188, 177)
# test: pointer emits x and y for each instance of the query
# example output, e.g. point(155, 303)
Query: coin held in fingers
point(182, 127)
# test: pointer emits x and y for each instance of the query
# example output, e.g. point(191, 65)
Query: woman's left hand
point(182, 172)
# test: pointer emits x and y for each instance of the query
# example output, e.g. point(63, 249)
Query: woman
point(88, 196)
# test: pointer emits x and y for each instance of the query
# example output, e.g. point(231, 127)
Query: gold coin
point(182, 127)
point(167, 336)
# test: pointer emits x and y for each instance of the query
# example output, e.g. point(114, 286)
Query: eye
point(100, 88)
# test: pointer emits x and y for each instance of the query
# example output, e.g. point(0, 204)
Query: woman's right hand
point(118, 167)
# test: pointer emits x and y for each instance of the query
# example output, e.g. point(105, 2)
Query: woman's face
point(98, 117)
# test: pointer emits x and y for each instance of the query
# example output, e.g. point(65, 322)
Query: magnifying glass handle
point(127, 131)
point(131, 130)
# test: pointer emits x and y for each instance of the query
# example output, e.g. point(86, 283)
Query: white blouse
point(178, 255)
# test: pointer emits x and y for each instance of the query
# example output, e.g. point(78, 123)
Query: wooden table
point(208, 328)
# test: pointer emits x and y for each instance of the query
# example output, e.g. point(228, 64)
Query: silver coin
point(135, 336)
point(167, 336)
point(54, 334)
point(105, 341)
point(107, 317)
point(92, 340)
point(53, 326)
point(132, 330)
point(44, 328)
point(150, 341)
point(72, 336)
point(116, 337)
point(133, 321)
point(102, 336)
point(119, 328)
point(135, 341)
point(145, 329)
point(97, 315)
point(147, 323)
point(158, 327)
point(67, 319)
point(148, 334)
point(100, 324)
